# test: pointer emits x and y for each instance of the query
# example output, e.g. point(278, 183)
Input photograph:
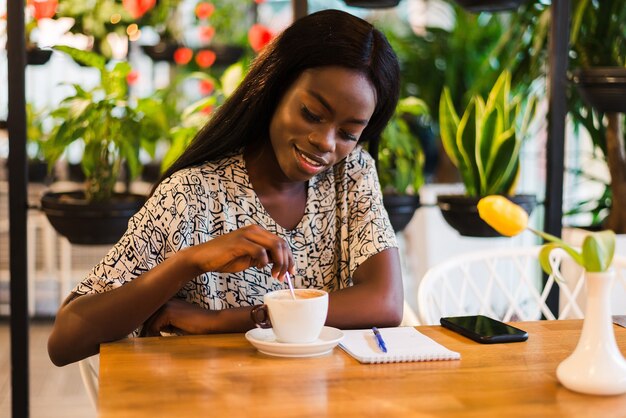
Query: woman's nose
point(324, 141)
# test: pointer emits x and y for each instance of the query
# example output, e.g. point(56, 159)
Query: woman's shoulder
point(358, 160)
point(207, 168)
point(200, 174)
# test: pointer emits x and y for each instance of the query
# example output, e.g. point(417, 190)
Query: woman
point(276, 182)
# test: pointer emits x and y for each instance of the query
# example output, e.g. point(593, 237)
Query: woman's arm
point(375, 299)
point(84, 322)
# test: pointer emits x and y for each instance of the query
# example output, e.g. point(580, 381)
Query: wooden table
point(224, 376)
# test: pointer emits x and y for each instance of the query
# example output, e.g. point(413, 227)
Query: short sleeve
point(160, 228)
point(369, 228)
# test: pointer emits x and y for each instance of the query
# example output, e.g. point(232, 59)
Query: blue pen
point(379, 340)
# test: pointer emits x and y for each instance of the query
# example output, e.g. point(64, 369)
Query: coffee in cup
point(296, 321)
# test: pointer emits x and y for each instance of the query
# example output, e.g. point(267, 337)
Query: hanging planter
point(477, 6)
point(400, 209)
point(461, 213)
point(372, 4)
point(90, 223)
point(226, 55)
point(163, 51)
point(37, 56)
point(603, 88)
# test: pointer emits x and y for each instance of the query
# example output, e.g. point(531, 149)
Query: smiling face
point(319, 120)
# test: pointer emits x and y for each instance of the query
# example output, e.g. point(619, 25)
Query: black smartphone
point(483, 329)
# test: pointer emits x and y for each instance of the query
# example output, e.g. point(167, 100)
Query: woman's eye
point(310, 116)
point(348, 136)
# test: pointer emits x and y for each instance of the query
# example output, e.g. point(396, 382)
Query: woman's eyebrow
point(327, 105)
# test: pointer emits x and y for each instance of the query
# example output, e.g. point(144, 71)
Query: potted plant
point(477, 6)
point(401, 161)
point(599, 61)
point(484, 145)
point(36, 137)
point(113, 129)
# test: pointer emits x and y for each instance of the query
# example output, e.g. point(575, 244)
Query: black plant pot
point(151, 172)
point(603, 88)
point(477, 6)
point(461, 213)
point(372, 4)
point(37, 56)
point(75, 173)
point(163, 51)
point(401, 209)
point(226, 55)
point(38, 172)
point(87, 223)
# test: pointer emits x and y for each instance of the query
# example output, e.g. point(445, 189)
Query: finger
point(287, 262)
point(276, 250)
point(259, 257)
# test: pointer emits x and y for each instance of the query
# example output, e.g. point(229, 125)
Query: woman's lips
point(308, 163)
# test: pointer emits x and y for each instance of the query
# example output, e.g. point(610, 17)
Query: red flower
point(205, 58)
point(182, 56)
point(138, 8)
point(259, 36)
point(204, 10)
point(132, 77)
point(259, 1)
point(44, 8)
point(206, 33)
point(206, 87)
point(207, 109)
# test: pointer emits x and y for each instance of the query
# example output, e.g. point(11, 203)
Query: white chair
point(89, 372)
point(409, 317)
point(506, 284)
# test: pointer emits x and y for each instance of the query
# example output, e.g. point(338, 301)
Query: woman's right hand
point(250, 246)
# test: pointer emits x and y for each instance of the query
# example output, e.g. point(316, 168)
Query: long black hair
point(325, 38)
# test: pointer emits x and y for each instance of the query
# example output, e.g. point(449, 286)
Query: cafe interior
point(502, 172)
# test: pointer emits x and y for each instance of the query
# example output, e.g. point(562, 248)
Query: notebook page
point(403, 344)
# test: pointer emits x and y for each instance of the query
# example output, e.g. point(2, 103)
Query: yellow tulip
point(503, 215)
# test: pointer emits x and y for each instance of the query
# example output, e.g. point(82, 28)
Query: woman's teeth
point(310, 161)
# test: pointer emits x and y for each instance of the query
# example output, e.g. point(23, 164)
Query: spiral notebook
point(404, 344)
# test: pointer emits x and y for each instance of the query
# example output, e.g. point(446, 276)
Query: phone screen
point(484, 329)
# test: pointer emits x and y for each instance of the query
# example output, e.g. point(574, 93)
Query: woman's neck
point(284, 200)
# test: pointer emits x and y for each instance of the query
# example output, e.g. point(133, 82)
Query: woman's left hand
point(176, 316)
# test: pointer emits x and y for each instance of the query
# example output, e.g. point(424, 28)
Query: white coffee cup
point(295, 321)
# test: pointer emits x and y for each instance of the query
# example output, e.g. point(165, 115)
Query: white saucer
point(265, 341)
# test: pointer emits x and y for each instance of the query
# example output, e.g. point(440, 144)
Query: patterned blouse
point(344, 224)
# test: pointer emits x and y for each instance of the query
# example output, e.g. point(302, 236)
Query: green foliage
point(94, 18)
point(400, 155)
point(484, 143)
point(598, 33)
point(597, 38)
point(196, 115)
point(36, 134)
point(596, 255)
point(112, 129)
point(467, 58)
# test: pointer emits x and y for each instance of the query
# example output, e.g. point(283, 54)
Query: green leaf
point(485, 147)
point(504, 162)
point(88, 58)
point(448, 126)
point(544, 257)
point(578, 258)
point(598, 250)
point(412, 105)
point(198, 106)
point(466, 143)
